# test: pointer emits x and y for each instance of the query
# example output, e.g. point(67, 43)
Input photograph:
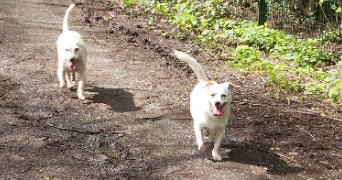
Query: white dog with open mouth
point(72, 56)
point(209, 105)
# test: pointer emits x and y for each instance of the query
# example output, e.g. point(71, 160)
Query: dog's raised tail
point(65, 20)
point(195, 66)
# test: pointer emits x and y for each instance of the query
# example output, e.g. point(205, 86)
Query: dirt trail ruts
point(135, 123)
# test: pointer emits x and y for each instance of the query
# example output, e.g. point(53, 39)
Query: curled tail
point(65, 20)
point(195, 66)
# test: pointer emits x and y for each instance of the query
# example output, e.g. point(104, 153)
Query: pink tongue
point(217, 111)
point(72, 65)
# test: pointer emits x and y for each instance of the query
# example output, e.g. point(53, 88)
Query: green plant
point(283, 60)
point(129, 3)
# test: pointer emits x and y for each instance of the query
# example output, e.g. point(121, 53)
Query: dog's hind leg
point(218, 139)
point(73, 78)
point(81, 84)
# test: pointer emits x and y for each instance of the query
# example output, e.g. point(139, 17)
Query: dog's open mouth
point(72, 65)
point(217, 109)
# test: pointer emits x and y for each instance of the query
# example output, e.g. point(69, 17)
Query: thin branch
point(314, 139)
point(291, 159)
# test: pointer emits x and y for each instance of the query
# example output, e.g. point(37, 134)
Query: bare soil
point(135, 122)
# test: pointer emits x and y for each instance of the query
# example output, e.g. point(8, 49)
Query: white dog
point(209, 105)
point(72, 56)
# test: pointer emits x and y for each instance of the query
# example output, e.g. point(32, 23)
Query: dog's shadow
point(118, 99)
point(254, 155)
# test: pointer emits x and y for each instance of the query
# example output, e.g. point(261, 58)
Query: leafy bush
point(334, 36)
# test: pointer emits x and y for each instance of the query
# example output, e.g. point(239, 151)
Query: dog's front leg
point(218, 139)
point(81, 84)
point(199, 139)
point(68, 79)
point(61, 77)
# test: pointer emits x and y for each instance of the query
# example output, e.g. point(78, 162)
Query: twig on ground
point(291, 159)
point(314, 139)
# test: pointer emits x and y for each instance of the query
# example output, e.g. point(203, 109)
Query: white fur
point(72, 56)
point(202, 104)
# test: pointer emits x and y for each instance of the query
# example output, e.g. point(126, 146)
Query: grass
point(286, 62)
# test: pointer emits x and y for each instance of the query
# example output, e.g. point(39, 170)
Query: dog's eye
point(66, 49)
point(76, 49)
point(223, 95)
point(212, 94)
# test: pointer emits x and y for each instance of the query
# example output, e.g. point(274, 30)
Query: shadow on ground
point(118, 99)
point(255, 155)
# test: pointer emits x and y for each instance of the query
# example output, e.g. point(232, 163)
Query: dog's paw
point(205, 133)
point(62, 83)
point(72, 84)
point(216, 156)
point(81, 97)
point(69, 85)
point(201, 147)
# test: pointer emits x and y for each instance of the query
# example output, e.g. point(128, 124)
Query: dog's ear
point(232, 86)
point(207, 83)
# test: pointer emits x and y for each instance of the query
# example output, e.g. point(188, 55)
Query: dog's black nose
point(217, 103)
point(72, 59)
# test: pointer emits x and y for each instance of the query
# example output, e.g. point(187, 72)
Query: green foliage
point(162, 8)
point(128, 3)
point(337, 9)
point(292, 64)
point(334, 36)
point(246, 54)
point(335, 91)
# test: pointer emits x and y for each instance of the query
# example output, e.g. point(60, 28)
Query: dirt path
point(135, 123)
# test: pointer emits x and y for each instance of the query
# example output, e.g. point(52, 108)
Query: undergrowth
point(289, 63)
